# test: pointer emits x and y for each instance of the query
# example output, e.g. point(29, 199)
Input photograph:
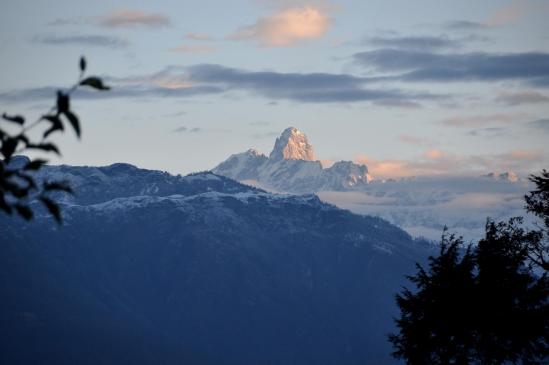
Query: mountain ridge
point(197, 269)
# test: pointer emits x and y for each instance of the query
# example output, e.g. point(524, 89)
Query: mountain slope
point(214, 273)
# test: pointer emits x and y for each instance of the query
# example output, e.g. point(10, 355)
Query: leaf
point(56, 124)
point(73, 119)
point(63, 102)
point(34, 164)
point(94, 82)
point(19, 119)
point(48, 147)
point(52, 207)
point(8, 147)
point(82, 64)
point(24, 211)
point(58, 185)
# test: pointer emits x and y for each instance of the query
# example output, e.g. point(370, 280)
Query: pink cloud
point(434, 154)
point(133, 18)
point(436, 162)
point(287, 27)
point(509, 14)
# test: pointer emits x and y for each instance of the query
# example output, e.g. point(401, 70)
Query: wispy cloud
point(69, 21)
point(523, 97)
point(396, 103)
point(489, 132)
point(133, 18)
point(185, 129)
point(475, 66)
point(465, 25)
point(197, 37)
point(482, 120)
point(193, 48)
point(286, 27)
point(86, 40)
point(540, 124)
point(201, 79)
point(302, 87)
point(508, 14)
point(417, 42)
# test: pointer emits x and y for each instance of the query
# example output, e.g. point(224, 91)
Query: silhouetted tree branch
point(18, 186)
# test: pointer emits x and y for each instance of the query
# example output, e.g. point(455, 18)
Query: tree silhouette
point(512, 323)
point(537, 202)
point(18, 187)
point(486, 304)
point(435, 320)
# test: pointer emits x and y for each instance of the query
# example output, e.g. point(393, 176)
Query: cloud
point(406, 104)
point(86, 40)
point(487, 132)
point(476, 66)
point(184, 129)
point(195, 48)
point(133, 18)
point(508, 14)
point(424, 42)
point(118, 90)
point(301, 87)
point(175, 114)
point(68, 21)
point(540, 124)
point(434, 154)
point(480, 120)
point(436, 162)
point(524, 97)
point(286, 27)
point(201, 79)
point(197, 37)
point(465, 25)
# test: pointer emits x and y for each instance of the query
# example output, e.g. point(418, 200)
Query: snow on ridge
point(212, 196)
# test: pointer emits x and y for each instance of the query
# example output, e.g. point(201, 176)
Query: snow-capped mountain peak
point(292, 145)
point(292, 167)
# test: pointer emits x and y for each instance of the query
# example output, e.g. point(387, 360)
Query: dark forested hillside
point(197, 269)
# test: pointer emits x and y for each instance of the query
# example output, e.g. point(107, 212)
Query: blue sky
point(409, 88)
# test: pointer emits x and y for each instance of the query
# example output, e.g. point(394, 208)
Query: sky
point(409, 88)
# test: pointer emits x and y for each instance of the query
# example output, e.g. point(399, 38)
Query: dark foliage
point(18, 187)
point(487, 304)
point(435, 324)
point(537, 202)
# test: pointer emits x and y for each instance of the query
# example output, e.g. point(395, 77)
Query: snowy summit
point(292, 145)
point(292, 167)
